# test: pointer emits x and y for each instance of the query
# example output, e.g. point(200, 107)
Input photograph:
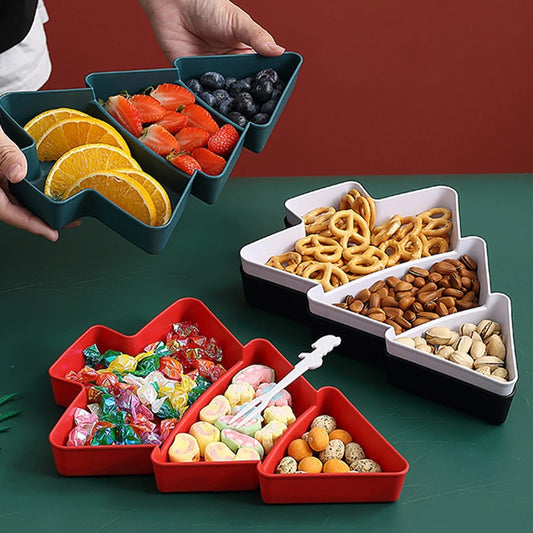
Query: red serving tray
point(232, 475)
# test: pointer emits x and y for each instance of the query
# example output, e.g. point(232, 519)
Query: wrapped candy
point(138, 399)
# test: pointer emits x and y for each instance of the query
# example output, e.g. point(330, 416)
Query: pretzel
point(365, 206)
point(392, 248)
point(317, 220)
point(433, 245)
point(411, 247)
point(350, 229)
point(348, 199)
point(409, 226)
point(436, 222)
point(321, 248)
point(371, 260)
point(328, 275)
point(287, 261)
point(386, 230)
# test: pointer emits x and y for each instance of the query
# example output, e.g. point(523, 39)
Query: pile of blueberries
point(241, 100)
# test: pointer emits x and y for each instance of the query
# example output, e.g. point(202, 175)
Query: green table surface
point(464, 474)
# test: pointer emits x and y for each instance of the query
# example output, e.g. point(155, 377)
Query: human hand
point(206, 27)
point(13, 168)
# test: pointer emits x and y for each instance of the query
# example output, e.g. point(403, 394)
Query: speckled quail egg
point(287, 465)
point(353, 452)
point(325, 421)
point(365, 465)
point(334, 450)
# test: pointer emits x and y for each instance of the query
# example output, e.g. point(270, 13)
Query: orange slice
point(155, 190)
point(84, 160)
point(75, 131)
point(40, 123)
point(120, 189)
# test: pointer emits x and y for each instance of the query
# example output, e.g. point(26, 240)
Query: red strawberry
point(122, 110)
point(210, 162)
point(172, 96)
point(159, 140)
point(224, 140)
point(150, 109)
point(184, 162)
point(192, 137)
point(173, 121)
point(200, 117)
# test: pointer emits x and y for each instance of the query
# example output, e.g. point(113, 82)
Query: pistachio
point(489, 360)
point(484, 369)
point(463, 344)
point(496, 347)
point(478, 349)
point(425, 348)
point(438, 335)
point(455, 336)
point(408, 341)
point(467, 329)
point(462, 358)
point(501, 372)
point(476, 337)
point(444, 351)
point(419, 340)
point(486, 328)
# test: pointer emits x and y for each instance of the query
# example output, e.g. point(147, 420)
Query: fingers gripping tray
point(366, 307)
point(207, 472)
point(16, 109)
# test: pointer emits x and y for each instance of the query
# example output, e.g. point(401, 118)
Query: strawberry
point(159, 140)
point(172, 96)
point(150, 109)
point(184, 162)
point(173, 121)
point(192, 137)
point(122, 110)
point(224, 140)
point(200, 117)
point(210, 162)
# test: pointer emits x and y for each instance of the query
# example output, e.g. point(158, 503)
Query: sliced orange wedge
point(120, 189)
point(155, 190)
point(66, 134)
point(83, 160)
point(40, 123)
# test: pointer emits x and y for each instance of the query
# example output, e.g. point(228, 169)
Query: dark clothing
point(16, 19)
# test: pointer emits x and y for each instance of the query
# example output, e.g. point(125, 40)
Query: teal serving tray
point(17, 108)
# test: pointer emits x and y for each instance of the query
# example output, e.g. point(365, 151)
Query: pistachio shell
point(478, 349)
point(462, 358)
point(484, 369)
point(408, 341)
point(467, 328)
point(486, 328)
point(425, 348)
point(501, 372)
point(444, 351)
point(496, 347)
point(438, 335)
point(489, 360)
point(463, 344)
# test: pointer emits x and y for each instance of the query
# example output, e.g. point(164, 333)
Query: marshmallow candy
point(204, 433)
point(184, 449)
point(216, 408)
point(255, 375)
point(218, 451)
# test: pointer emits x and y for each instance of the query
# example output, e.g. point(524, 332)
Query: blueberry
point(220, 94)
point(225, 106)
point(194, 85)
point(260, 118)
point(212, 80)
point(244, 103)
point(238, 118)
point(230, 80)
point(268, 74)
point(208, 98)
point(240, 86)
point(262, 90)
point(268, 107)
point(276, 94)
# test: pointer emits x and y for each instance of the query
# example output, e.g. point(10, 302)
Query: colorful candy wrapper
point(123, 363)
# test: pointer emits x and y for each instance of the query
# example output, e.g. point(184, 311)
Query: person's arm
point(206, 27)
point(13, 168)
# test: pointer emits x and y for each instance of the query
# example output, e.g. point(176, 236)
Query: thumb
point(12, 161)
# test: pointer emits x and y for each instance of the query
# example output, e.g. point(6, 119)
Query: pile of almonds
point(476, 346)
point(421, 295)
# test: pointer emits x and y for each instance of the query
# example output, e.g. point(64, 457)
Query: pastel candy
point(281, 398)
point(246, 454)
point(184, 449)
point(281, 413)
point(239, 393)
point(218, 451)
point(236, 440)
point(269, 434)
point(216, 408)
point(255, 375)
point(249, 428)
point(204, 433)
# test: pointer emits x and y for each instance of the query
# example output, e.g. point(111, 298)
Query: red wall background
point(386, 86)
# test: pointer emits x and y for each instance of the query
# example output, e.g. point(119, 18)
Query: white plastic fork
point(309, 361)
